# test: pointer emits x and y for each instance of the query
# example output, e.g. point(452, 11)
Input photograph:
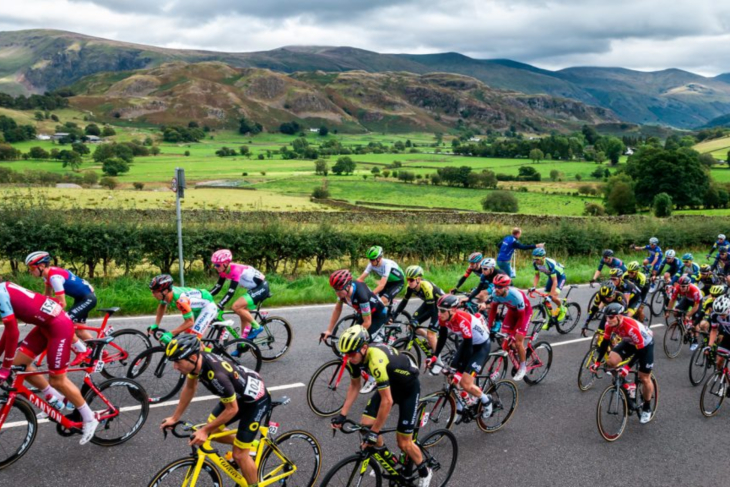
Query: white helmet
point(721, 237)
point(721, 305)
point(488, 263)
point(670, 253)
point(39, 257)
point(654, 241)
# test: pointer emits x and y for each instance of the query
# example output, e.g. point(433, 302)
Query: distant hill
point(33, 61)
point(721, 121)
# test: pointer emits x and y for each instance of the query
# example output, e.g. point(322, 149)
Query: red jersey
point(631, 330)
point(467, 326)
point(693, 293)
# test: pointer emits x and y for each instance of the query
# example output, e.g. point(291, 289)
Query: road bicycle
point(127, 344)
point(619, 400)
point(374, 465)
point(660, 297)
point(396, 327)
point(155, 372)
point(538, 356)
point(716, 389)
point(292, 458)
point(543, 311)
point(275, 336)
point(419, 348)
point(120, 405)
point(586, 377)
point(702, 360)
point(644, 306)
point(677, 333)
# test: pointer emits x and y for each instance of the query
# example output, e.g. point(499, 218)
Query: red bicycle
point(117, 354)
point(538, 358)
point(120, 405)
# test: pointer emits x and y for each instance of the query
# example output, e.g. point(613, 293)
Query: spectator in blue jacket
point(507, 249)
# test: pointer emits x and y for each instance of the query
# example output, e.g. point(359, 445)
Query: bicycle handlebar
point(187, 427)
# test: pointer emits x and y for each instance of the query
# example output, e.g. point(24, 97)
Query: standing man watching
point(507, 249)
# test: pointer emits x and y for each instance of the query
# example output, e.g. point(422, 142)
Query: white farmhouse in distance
point(629, 152)
point(42, 137)
point(314, 130)
point(475, 139)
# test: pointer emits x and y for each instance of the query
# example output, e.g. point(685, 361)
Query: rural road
point(551, 440)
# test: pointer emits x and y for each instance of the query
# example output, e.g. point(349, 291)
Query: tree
point(155, 150)
point(620, 198)
point(247, 126)
point(435, 179)
point(375, 170)
point(500, 201)
point(107, 131)
point(578, 177)
point(590, 134)
point(70, 159)
point(39, 116)
point(386, 173)
point(554, 175)
point(594, 209)
point(80, 148)
point(290, 128)
point(707, 160)
point(38, 153)
point(528, 173)
point(323, 131)
point(600, 157)
point(345, 165)
point(536, 155)
point(662, 205)
point(321, 192)
point(109, 183)
point(92, 129)
point(614, 149)
point(245, 151)
point(406, 176)
point(321, 167)
point(138, 186)
point(114, 166)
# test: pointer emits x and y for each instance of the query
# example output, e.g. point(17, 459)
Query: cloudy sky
point(639, 34)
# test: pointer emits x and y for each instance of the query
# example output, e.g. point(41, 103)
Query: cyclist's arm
point(229, 294)
point(381, 284)
point(218, 286)
point(480, 287)
point(443, 336)
point(713, 336)
point(403, 302)
point(160, 313)
point(183, 304)
point(386, 404)
point(335, 316)
point(48, 289)
point(597, 274)
point(230, 410)
point(362, 277)
point(367, 320)
point(536, 280)
point(186, 325)
point(463, 278)
point(54, 287)
point(353, 391)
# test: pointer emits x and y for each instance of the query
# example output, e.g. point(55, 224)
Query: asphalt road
point(551, 440)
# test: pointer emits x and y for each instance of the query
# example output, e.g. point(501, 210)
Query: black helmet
point(607, 289)
point(448, 301)
point(608, 253)
point(613, 309)
point(685, 280)
point(182, 347)
point(161, 282)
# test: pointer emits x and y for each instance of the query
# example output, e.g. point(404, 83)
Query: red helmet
point(340, 279)
point(502, 280)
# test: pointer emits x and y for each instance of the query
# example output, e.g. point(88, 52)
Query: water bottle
point(468, 398)
point(389, 457)
point(54, 402)
point(497, 326)
point(631, 392)
point(254, 448)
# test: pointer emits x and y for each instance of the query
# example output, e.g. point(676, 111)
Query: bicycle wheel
point(654, 397)
point(274, 341)
point(18, 431)
point(439, 411)
point(117, 355)
point(155, 373)
point(713, 394)
point(180, 472)
point(242, 352)
point(343, 324)
point(414, 351)
point(440, 451)
point(327, 389)
point(130, 407)
point(572, 317)
point(612, 413)
point(350, 471)
point(539, 358)
point(302, 450)
point(504, 402)
point(496, 366)
point(586, 378)
point(673, 339)
point(658, 301)
point(698, 366)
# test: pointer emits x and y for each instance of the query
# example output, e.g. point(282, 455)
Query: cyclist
point(720, 322)
point(429, 293)
point(673, 267)
point(391, 276)
point(632, 295)
point(690, 299)
point(707, 279)
point(486, 280)
point(689, 267)
point(720, 243)
point(654, 259)
point(609, 260)
point(516, 320)
point(243, 398)
point(257, 289)
point(707, 303)
point(474, 268)
point(507, 249)
point(397, 382)
point(722, 261)
point(634, 275)
point(556, 279)
point(473, 350)
point(59, 283)
point(606, 295)
point(196, 305)
point(52, 334)
point(637, 341)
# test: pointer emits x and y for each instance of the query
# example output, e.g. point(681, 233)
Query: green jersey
point(190, 301)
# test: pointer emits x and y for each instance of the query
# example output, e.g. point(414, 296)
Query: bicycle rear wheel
point(302, 450)
point(586, 378)
point(243, 352)
point(18, 431)
point(155, 373)
point(658, 301)
point(714, 393)
point(539, 359)
point(130, 407)
point(698, 367)
point(673, 339)
point(654, 397)
point(275, 339)
point(496, 366)
point(343, 324)
point(180, 472)
point(572, 317)
point(414, 351)
point(327, 389)
point(439, 411)
point(118, 354)
point(350, 472)
point(612, 413)
point(505, 397)
point(441, 452)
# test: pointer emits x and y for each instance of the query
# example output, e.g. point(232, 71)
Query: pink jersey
point(245, 275)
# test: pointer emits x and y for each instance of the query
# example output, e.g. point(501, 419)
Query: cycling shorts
point(55, 340)
point(549, 285)
point(723, 347)
point(81, 308)
point(407, 399)
point(644, 356)
point(424, 313)
point(392, 289)
point(256, 295)
point(206, 316)
point(685, 304)
point(249, 417)
point(476, 361)
point(510, 324)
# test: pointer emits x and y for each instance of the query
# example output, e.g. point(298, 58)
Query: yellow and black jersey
point(618, 297)
point(387, 366)
point(426, 290)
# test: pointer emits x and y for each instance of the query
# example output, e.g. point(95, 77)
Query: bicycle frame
point(508, 346)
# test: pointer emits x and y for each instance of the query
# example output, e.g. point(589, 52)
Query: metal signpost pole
point(178, 185)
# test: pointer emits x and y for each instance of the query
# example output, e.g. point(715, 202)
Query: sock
point(523, 365)
point(255, 325)
point(79, 346)
point(423, 470)
point(484, 398)
point(50, 392)
point(647, 406)
point(86, 413)
point(459, 407)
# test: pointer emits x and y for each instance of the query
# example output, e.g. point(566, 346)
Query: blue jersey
point(719, 243)
point(508, 246)
point(514, 299)
point(672, 267)
point(692, 270)
point(550, 267)
point(64, 281)
point(653, 252)
point(613, 264)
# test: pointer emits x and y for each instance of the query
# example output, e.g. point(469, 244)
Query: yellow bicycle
point(299, 466)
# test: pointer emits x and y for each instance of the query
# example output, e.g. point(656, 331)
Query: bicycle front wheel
point(275, 339)
point(302, 450)
point(18, 431)
point(439, 411)
point(673, 339)
point(505, 397)
point(496, 366)
point(327, 389)
point(180, 472)
point(612, 413)
point(155, 373)
point(572, 317)
point(586, 378)
point(403, 344)
point(713, 394)
point(698, 367)
point(354, 471)
point(539, 359)
point(120, 421)
point(118, 354)
point(440, 451)
point(658, 302)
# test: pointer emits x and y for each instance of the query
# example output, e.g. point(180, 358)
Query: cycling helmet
point(182, 346)
point(721, 305)
point(633, 266)
point(705, 269)
point(670, 254)
point(414, 271)
point(502, 280)
point(339, 280)
point(684, 280)
point(722, 250)
point(687, 256)
point(538, 253)
point(717, 290)
point(223, 256)
point(488, 263)
point(39, 257)
point(448, 301)
point(617, 272)
point(721, 237)
point(475, 257)
point(161, 282)
point(607, 289)
point(653, 241)
point(374, 252)
point(608, 253)
point(353, 339)
point(613, 309)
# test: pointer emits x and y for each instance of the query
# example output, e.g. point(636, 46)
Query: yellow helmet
point(633, 266)
point(353, 339)
point(414, 271)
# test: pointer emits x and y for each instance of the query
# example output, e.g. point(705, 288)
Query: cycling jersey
point(634, 294)
point(706, 305)
point(654, 252)
point(426, 290)
point(720, 322)
point(639, 279)
point(722, 265)
point(363, 301)
point(189, 301)
point(718, 243)
point(469, 272)
point(387, 268)
point(630, 330)
point(550, 268)
point(672, 267)
point(615, 263)
point(692, 293)
point(618, 297)
point(467, 326)
point(66, 282)
point(508, 246)
point(243, 275)
point(228, 380)
point(705, 283)
point(691, 269)
point(485, 282)
point(387, 366)
point(519, 311)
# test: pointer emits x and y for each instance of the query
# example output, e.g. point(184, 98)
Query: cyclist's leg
point(204, 319)
point(476, 363)
point(424, 313)
point(251, 415)
point(241, 307)
point(619, 353)
point(78, 313)
point(35, 343)
point(258, 295)
point(371, 412)
point(645, 358)
point(377, 322)
point(390, 291)
point(407, 401)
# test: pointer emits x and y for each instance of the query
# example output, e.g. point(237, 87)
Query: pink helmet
point(222, 256)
